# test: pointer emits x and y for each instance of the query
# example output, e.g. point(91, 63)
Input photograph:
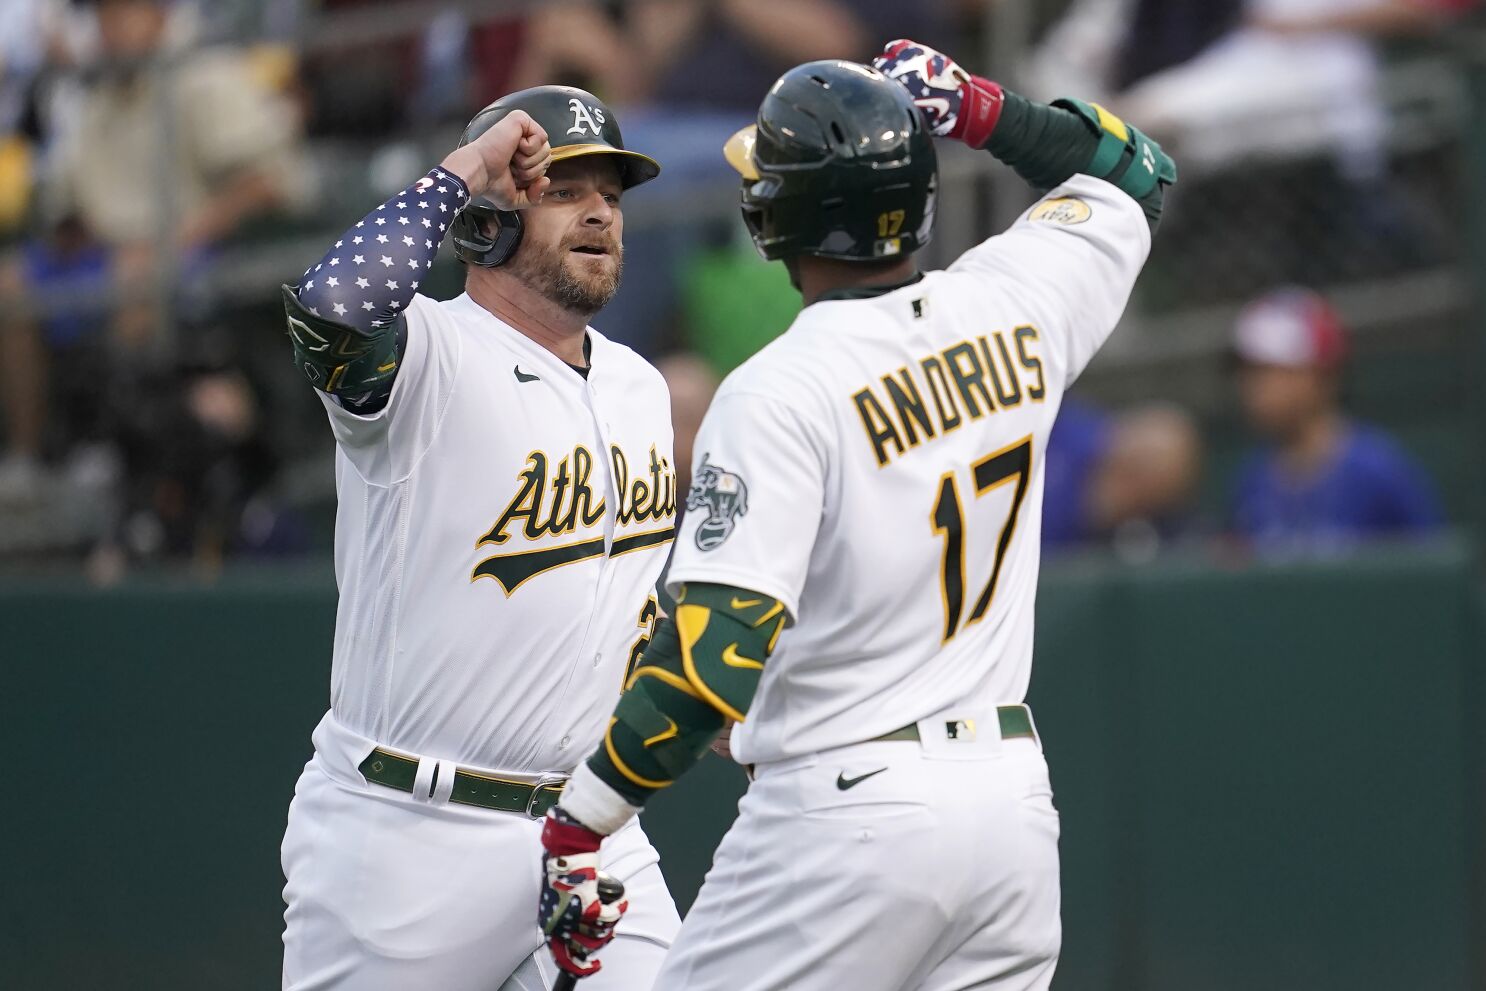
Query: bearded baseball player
point(856, 569)
point(506, 502)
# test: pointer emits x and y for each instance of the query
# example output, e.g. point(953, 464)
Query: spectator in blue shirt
point(1123, 481)
point(1325, 483)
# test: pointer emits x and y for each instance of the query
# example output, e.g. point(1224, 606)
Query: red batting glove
point(954, 103)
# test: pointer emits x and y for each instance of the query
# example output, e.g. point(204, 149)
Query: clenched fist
point(954, 103)
point(507, 164)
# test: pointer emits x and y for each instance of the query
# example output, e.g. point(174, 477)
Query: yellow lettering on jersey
point(556, 500)
point(651, 497)
point(552, 507)
point(880, 430)
point(986, 375)
point(949, 419)
point(1025, 337)
point(1004, 380)
point(964, 367)
point(908, 404)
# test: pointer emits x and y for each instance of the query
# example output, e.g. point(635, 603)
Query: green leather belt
point(485, 791)
point(1015, 720)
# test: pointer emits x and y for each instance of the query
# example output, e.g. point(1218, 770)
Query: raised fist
point(954, 103)
point(507, 164)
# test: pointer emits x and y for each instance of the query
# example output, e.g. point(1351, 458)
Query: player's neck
point(815, 277)
point(533, 315)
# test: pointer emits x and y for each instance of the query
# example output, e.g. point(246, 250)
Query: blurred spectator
point(171, 144)
point(1140, 497)
point(1127, 481)
point(200, 476)
point(360, 88)
point(168, 146)
point(1295, 76)
point(1231, 78)
point(709, 55)
point(697, 70)
point(1325, 483)
point(1079, 436)
point(692, 383)
point(51, 359)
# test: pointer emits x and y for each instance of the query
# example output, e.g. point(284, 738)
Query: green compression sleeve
point(701, 668)
point(1049, 143)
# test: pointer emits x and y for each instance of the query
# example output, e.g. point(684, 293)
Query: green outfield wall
point(1270, 778)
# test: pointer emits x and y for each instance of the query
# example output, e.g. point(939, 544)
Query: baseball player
point(506, 502)
point(856, 569)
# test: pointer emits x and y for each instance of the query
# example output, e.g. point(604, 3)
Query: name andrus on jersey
point(968, 379)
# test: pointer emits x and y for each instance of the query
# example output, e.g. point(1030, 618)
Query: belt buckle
point(543, 782)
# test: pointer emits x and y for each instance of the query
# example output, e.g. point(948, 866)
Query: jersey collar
point(867, 292)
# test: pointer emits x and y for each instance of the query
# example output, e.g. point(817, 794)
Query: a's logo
point(584, 116)
point(724, 497)
point(1066, 210)
point(524, 376)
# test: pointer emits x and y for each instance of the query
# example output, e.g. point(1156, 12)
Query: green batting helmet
point(839, 165)
point(577, 124)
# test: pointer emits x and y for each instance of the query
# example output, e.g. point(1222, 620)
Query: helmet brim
point(635, 169)
point(739, 152)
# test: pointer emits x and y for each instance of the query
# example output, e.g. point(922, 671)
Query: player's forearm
point(1047, 144)
point(701, 666)
point(344, 316)
point(371, 273)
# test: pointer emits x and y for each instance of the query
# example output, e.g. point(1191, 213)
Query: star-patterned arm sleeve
point(344, 317)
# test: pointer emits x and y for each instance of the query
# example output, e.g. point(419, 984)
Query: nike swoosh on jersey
point(745, 603)
point(523, 376)
point(843, 782)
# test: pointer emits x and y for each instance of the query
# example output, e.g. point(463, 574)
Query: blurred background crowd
point(1291, 378)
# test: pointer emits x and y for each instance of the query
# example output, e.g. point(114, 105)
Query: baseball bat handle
point(611, 889)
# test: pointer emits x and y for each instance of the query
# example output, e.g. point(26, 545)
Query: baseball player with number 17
point(856, 571)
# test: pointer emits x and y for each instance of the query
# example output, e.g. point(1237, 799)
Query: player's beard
point(549, 273)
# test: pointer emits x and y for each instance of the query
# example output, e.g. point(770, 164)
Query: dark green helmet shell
point(839, 165)
point(577, 124)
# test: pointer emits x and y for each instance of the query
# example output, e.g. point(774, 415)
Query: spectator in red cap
point(1327, 483)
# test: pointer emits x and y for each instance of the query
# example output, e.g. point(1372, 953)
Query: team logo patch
point(723, 496)
point(1066, 210)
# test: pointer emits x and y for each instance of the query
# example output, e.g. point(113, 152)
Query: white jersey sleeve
point(1073, 258)
point(757, 494)
point(384, 446)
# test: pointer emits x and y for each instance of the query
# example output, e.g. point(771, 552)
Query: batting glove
point(574, 922)
point(954, 103)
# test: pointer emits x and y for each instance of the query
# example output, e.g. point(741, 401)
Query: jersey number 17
point(948, 520)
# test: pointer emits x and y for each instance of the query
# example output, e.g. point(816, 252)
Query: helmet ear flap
point(488, 249)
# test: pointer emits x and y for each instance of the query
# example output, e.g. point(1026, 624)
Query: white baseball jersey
point(501, 525)
point(879, 470)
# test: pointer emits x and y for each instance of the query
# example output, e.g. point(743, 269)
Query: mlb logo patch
point(960, 730)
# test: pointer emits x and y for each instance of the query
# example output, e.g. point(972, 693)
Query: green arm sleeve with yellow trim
point(1048, 143)
point(702, 667)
